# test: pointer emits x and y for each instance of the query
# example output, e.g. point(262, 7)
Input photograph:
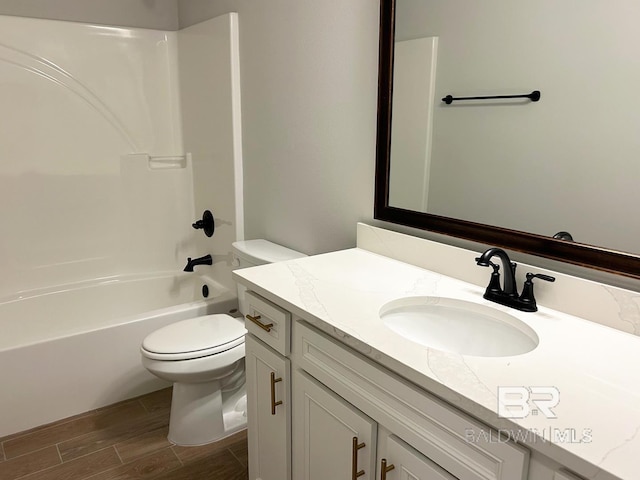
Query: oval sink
point(457, 326)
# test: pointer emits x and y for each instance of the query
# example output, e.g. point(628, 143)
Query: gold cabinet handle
point(266, 327)
point(274, 404)
point(384, 468)
point(355, 473)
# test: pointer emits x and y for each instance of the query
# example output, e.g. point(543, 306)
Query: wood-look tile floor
point(125, 441)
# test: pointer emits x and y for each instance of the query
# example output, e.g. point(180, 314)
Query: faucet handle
point(527, 289)
point(546, 278)
point(207, 223)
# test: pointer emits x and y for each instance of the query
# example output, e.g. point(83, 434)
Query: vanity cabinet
point(353, 419)
point(268, 383)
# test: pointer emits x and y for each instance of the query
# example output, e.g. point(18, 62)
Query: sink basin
point(458, 326)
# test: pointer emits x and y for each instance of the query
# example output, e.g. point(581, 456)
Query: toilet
point(204, 359)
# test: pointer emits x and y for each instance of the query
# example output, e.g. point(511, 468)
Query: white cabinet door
point(332, 439)
point(399, 461)
point(268, 412)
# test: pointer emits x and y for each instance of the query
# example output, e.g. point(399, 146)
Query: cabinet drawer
point(435, 429)
point(269, 323)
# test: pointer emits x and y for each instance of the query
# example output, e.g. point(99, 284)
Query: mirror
point(513, 172)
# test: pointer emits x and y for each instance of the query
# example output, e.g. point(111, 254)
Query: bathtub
point(71, 349)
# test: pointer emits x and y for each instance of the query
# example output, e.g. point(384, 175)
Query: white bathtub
point(68, 350)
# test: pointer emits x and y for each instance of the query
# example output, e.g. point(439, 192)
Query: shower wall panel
point(77, 101)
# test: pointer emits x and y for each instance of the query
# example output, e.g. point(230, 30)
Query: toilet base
point(201, 413)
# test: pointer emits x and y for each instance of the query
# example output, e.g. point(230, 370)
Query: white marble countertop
point(596, 369)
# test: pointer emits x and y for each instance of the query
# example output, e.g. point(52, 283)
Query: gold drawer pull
point(384, 469)
point(355, 473)
point(274, 404)
point(266, 327)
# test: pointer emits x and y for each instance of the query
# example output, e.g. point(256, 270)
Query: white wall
point(268, 58)
point(210, 99)
point(309, 99)
point(330, 162)
point(157, 14)
point(77, 100)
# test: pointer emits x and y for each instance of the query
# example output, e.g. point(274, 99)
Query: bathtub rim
point(219, 294)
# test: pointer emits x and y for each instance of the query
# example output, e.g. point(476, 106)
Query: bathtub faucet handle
point(207, 223)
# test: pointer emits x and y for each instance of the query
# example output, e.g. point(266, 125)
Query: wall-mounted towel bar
point(533, 96)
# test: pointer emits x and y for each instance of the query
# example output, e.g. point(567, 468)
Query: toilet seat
point(194, 338)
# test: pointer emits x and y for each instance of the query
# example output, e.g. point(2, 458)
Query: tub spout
point(206, 260)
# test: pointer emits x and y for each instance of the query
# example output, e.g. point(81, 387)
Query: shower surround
point(98, 186)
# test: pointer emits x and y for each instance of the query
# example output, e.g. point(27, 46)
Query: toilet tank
point(251, 253)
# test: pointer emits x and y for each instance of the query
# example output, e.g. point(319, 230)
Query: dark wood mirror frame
point(580, 254)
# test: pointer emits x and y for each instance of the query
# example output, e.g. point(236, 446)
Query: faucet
point(206, 260)
point(507, 294)
point(509, 268)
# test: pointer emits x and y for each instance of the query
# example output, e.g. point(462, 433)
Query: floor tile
point(107, 435)
point(143, 444)
point(146, 467)
point(60, 432)
point(126, 441)
point(29, 463)
point(82, 467)
point(219, 466)
point(157, 401)
point(187, 454)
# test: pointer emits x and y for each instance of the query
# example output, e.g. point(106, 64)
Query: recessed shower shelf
point(167, 162)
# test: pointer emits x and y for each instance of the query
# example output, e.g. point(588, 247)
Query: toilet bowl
point(204, 358)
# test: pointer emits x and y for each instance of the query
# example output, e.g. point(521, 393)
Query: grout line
point(146, 417)
point(102, 473)
point(93, 475)
point(177, 456)
point(87, 454)
point(64, 421)
point(117, 453)
point(59, 454)
point(30, 453)
point(29, 475)
point(240, 462)
point(143, 406)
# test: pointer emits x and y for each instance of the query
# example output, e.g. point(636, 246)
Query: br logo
point(520, 402)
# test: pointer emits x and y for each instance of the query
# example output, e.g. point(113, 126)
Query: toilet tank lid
point(263, 251)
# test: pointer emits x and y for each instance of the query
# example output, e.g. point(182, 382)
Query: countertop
point(596, 369)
